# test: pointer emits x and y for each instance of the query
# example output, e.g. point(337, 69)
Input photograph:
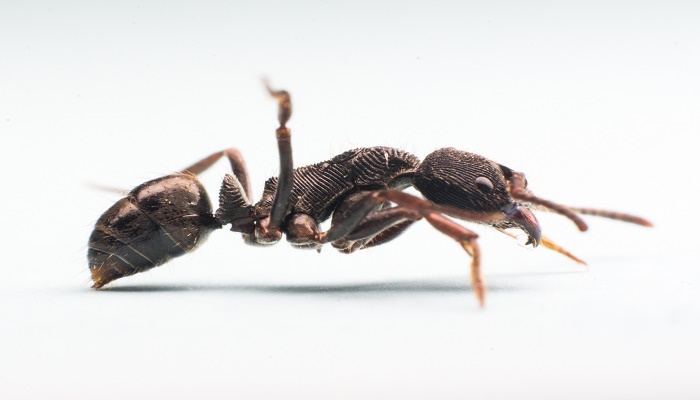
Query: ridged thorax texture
point(317, 187)
point(449, 177)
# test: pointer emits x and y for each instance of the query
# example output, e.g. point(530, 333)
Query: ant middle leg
point(377, 228)
point(352, 226)
point(358, 223)
point(370, 234)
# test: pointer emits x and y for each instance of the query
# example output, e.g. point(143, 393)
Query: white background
point(598, 102)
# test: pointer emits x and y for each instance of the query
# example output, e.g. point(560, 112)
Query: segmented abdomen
point(158, 220)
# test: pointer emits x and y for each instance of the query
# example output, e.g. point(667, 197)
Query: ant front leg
point(360, 218)
point(467, 239)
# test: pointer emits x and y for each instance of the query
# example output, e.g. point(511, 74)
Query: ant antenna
point(519, 192)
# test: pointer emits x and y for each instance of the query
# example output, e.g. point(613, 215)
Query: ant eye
point(484, 184)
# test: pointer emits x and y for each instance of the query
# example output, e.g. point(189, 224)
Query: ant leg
point(269, 229)
point(467, 239)
point(303, 232)
point(379, 221)
point(388, 234)
point(356, 209)
point(362, 216)
point(368, 201)
point(234, 156)
point(378, 228)
point(237, 165)
point(360, 219)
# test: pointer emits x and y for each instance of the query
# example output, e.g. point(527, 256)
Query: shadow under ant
point(456, 285)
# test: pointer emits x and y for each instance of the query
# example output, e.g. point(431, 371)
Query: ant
point(359, 190)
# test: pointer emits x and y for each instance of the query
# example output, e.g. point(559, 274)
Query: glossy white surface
point(596, 103)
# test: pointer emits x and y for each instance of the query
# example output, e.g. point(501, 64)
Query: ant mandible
point(360, 190)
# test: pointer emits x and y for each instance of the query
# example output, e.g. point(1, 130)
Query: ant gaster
point(360, 190)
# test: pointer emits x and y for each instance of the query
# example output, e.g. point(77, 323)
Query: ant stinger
point(359, 190)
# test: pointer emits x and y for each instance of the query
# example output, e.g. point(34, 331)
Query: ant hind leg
point(237, 165)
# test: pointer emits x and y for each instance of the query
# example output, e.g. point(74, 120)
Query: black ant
point(360, 190)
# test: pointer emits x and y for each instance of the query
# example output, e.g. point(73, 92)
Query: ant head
point(474, 183)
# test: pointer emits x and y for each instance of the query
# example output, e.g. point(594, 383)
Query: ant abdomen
point(158, 220)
